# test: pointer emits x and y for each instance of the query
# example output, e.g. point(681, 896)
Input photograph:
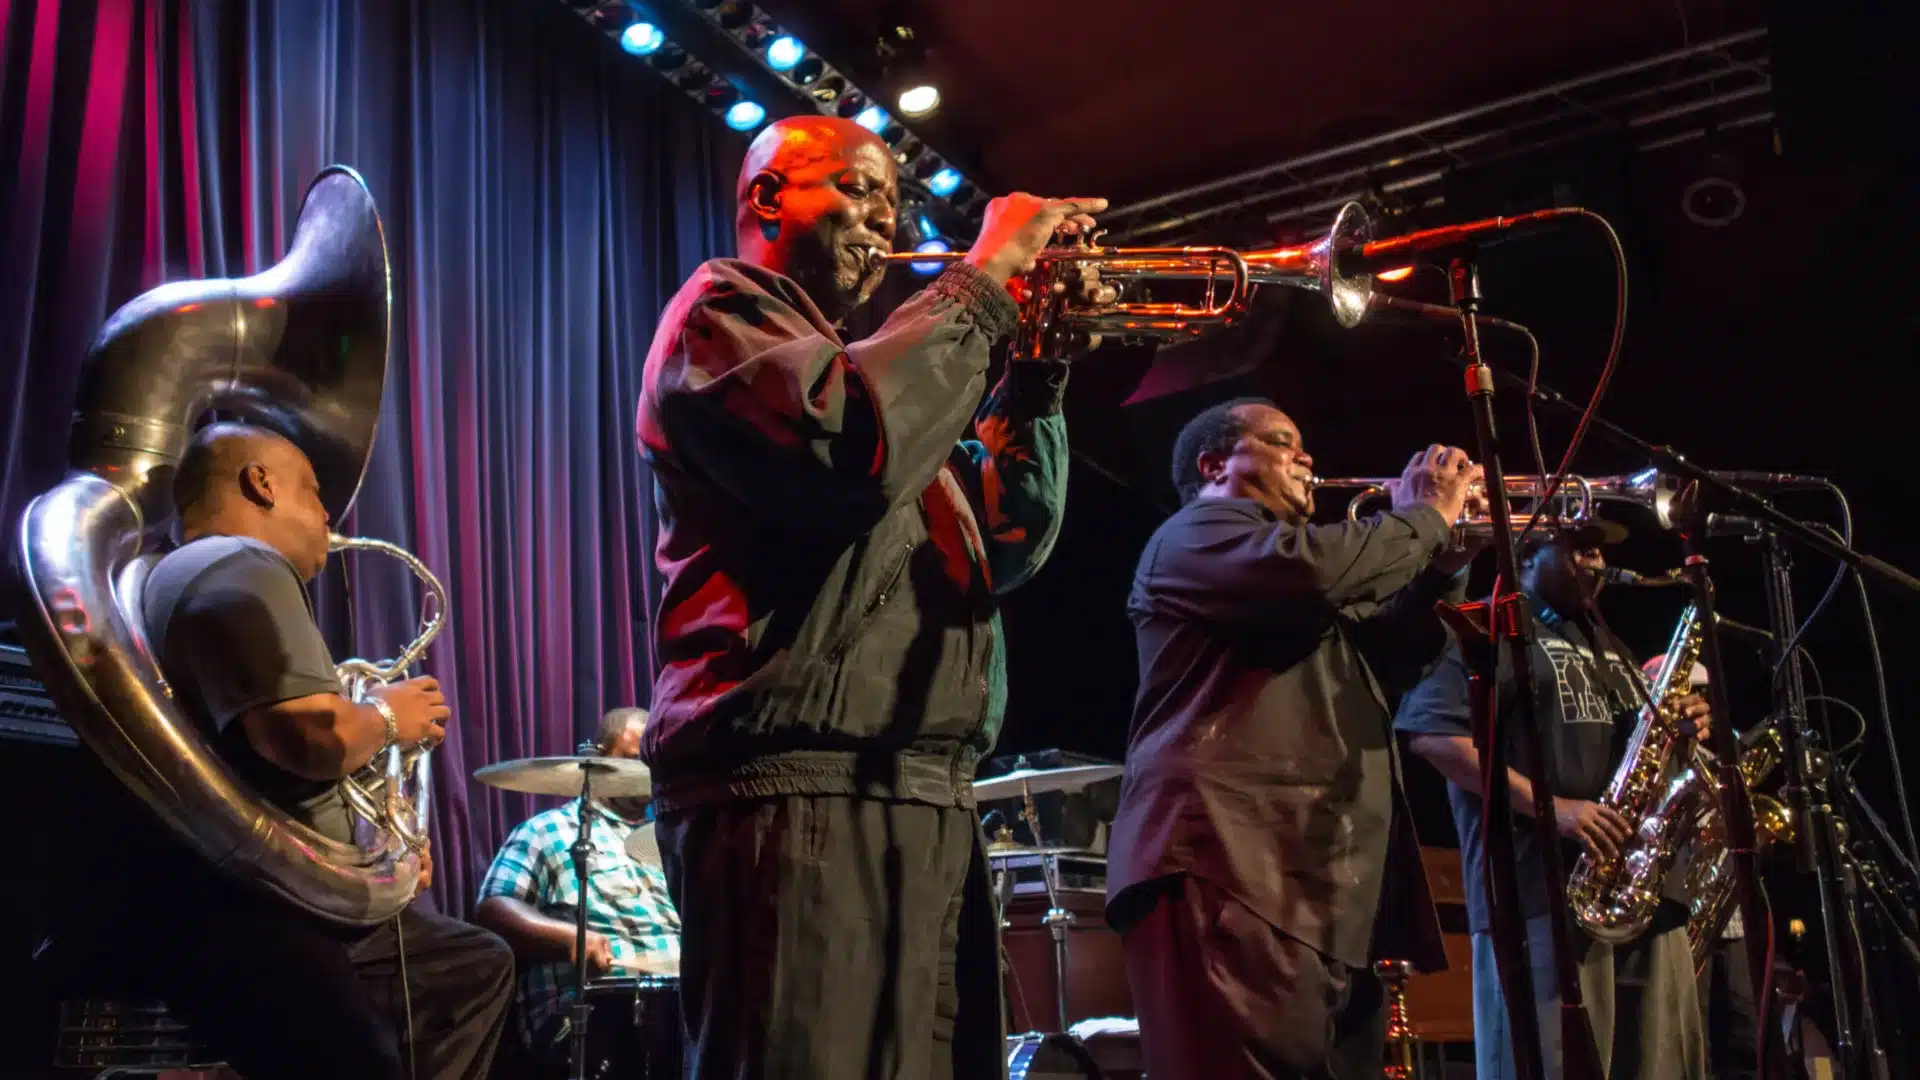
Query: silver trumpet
point(1577, 498)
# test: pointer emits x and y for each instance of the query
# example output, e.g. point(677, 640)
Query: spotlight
point(930, 247)
point(785, 53)
point(642, 39)
point(918, 101)
point(944, 182)
point(906, 73)
point(873, 118)
point(745, 115)
point(927, 228)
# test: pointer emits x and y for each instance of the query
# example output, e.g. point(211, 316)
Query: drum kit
point(638, 1034)
point(646, 1045)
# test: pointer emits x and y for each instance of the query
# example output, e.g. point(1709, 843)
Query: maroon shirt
point(1261, 755)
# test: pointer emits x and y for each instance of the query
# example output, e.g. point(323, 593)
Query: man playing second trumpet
point(1261, 824)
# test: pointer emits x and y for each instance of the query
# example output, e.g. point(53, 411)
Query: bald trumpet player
point(1262, 854)
point(830, 665)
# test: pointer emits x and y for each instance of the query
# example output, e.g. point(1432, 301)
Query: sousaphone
point(300, 349)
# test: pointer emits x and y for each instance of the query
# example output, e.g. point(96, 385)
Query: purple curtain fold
point(542, 195)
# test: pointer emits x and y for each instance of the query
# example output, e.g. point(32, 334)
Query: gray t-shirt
point(233, 629)
point(1588, 706)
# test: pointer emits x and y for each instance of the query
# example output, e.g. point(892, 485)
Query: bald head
point(238, 480)
point(210, 470)
point(817, 197)
point(799, 146)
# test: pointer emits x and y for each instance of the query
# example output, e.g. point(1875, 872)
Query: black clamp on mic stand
point(1482, 629)
point(1712, 487)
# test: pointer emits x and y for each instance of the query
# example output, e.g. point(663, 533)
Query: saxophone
point(1710, 874)
point(1658, 788)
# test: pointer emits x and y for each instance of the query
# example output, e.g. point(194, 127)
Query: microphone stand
point(582, 850)
point(1505, 619)
point(1737, 810)
point(1805, 791)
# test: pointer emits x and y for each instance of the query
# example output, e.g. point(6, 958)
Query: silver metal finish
point(1579, 497)
point(301, 349)
point(395, 790)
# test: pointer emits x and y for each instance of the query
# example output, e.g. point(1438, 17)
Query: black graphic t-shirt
point(1588, 707)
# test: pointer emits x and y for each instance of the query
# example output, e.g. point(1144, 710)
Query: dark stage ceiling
point(1128, 98)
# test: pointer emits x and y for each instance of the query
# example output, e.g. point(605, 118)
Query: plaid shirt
point(627, 901)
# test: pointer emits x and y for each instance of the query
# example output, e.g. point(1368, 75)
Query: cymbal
point(1014, 851)
point(1071, 778)
point(612, 777)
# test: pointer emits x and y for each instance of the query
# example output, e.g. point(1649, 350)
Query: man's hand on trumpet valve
point(1445, 478)
point(1016, 228)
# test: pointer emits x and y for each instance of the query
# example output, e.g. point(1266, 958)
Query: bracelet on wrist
point(393, 724)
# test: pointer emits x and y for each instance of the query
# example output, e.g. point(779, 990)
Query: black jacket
point(832, 551)
point(1261, 754)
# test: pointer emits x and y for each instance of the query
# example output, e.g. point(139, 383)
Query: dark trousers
point(835, 938)
point(1223, 994)
point(1726, 1000)
point(284, 996)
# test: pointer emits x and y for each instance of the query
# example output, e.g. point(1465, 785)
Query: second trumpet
point(1576, 500)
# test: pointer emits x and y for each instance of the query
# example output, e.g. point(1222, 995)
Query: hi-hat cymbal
point(612, 777)
point(1071, 778)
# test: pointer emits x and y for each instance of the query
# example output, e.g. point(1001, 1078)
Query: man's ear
point(763, 197)
point(256, 483)
point(1212, 465)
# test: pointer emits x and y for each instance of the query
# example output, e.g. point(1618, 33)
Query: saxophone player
point(1641, 996)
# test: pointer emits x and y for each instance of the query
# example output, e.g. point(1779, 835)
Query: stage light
point(745, 115)
point(785, 53)
point(944, 182)
point(642, 39)
point(917, 101)
point(930, 247)
point(927, 228)
point(873, 118)
point(1398, 274)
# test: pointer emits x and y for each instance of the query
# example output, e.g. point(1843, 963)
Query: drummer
point(530, 892)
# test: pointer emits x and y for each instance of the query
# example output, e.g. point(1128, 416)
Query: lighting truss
point(717, 52)
point(1690, 93)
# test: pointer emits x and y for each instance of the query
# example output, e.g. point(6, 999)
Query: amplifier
point(26, 712)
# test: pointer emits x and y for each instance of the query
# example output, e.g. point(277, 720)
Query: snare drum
point(634, 1030)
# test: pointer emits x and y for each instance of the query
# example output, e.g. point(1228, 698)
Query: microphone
point(1614, 575)
point(1771, 481)
point(1742, 630)
point(1391, 254)
point(1381, 301)
point(1746, 528)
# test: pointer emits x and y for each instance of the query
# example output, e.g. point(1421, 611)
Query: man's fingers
point(1069, 207)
